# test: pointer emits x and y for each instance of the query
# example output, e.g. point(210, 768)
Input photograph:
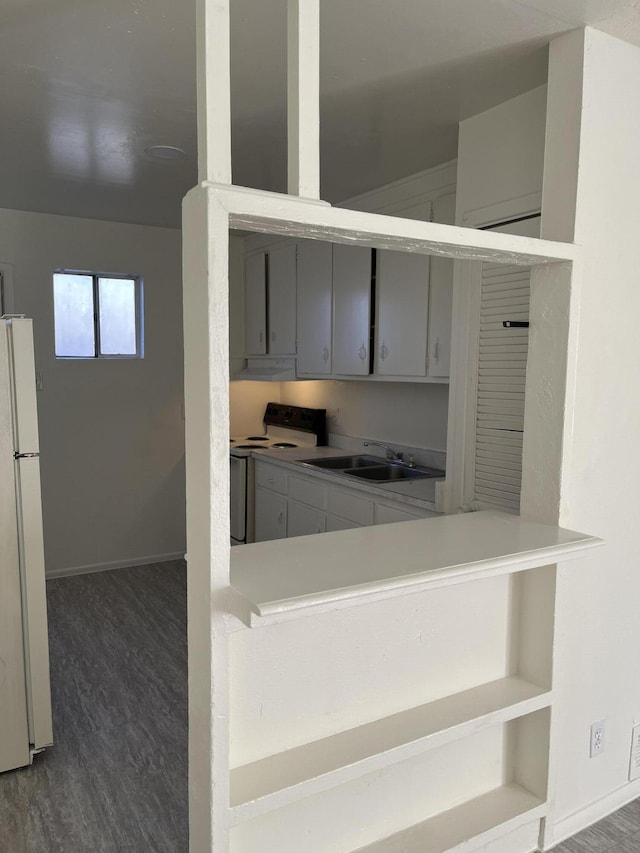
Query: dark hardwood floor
point(116, 779)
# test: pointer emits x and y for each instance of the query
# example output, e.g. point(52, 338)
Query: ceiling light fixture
point(165, 152)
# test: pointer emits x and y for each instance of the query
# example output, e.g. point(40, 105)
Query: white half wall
point(111, 431)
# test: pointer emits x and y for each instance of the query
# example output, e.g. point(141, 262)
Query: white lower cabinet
point(271, 515)
point(303, 520)
point(334, 523)
point(290, 505)
point(351, 507)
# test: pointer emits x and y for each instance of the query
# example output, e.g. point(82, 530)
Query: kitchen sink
point(390, 473)
point(340, 463)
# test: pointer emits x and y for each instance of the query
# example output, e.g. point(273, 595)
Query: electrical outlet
point(597, 739)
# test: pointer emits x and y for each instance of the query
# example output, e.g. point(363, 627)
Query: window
point(97, 315)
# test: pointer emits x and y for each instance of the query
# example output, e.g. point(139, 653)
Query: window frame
point(139, 315)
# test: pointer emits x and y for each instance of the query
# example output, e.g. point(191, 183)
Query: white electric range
point(285, 426)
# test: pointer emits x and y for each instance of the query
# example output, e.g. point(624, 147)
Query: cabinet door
point(334, 523)
point(303, 520)
point(403, 305)
point(390, 514)
point(282, 300)
point(314, 307)
point(351, 309)
point(441, 296)
point(256, 304)
point(271, 515)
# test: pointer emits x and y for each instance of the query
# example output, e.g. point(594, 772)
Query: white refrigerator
point(25, 697)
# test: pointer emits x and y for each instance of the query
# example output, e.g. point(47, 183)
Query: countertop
point(419, 493)
point(285, 575)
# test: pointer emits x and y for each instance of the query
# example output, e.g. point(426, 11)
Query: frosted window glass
point(73, 312)
point(117, 316)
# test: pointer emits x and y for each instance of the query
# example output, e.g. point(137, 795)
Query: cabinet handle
point(325, 354)
point(362, 353)
point(260, 338)
point(273, 336)
point(436, 351)
point(280, 517)
point(384, 352)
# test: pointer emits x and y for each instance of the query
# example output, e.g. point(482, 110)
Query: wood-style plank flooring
point(116, 779)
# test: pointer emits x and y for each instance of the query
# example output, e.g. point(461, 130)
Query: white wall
point(598, 621)
point(397, 412)
point(247, 402)
point(112, 431)
point(500, 159)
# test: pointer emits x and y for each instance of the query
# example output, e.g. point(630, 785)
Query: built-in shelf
point(294, 577)
point(282, 779)
point(482, 819)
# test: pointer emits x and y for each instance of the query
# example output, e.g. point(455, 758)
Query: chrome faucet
point(391, 455)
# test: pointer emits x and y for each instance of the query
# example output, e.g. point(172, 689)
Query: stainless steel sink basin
point(389, 473)
point(340, 463)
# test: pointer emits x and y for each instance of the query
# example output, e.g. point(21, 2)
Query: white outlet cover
point(634, 763)
point(596, 746)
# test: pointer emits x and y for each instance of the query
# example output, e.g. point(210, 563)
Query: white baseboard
point(578, 821)
point(116, 564)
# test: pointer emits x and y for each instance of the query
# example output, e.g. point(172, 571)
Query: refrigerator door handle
point(26, 455)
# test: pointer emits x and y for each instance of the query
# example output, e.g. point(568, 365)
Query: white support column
point(206, 344)
point(214, 90)
point(588, 422)
point(303, 91)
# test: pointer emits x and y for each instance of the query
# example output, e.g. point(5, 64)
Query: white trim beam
point(206, 355)
point(303, 97)
point(213, 90)
point(272, 213)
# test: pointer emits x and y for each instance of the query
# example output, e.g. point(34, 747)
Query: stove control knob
point(288, 414)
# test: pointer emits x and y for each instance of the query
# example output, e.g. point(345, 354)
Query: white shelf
point(482, 819)
point(290, 776)
point(295, 577)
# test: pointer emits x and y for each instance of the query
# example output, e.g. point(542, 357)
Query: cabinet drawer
point(308, 491)
point(303, 520)
point(390, 514)
point(271, 477)
point(350, 506)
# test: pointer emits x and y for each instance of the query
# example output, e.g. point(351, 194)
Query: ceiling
point(88, 86)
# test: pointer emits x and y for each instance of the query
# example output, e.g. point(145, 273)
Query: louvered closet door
point(502, 368)
point(502, 373)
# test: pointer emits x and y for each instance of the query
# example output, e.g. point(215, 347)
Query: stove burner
point(282, 444)
point(245, 446)
point(256, 438)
